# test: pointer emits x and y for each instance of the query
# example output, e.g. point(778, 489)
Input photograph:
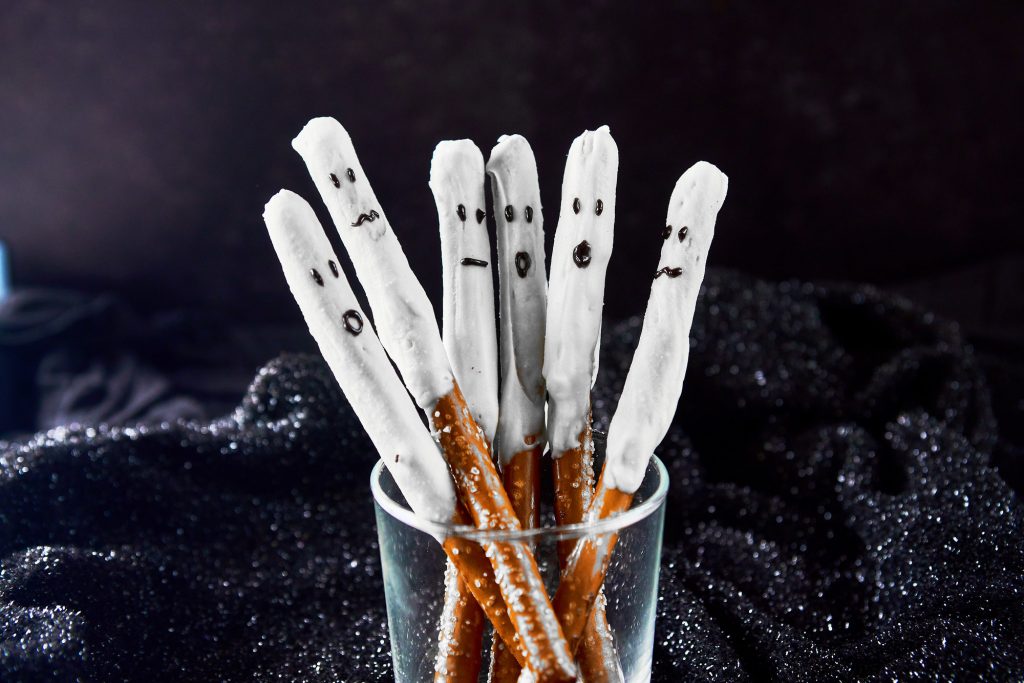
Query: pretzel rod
point(457, 181)
point(519, 441)
point(579, 260)
point(370, 384)
point(653, 384)
point(408, 330)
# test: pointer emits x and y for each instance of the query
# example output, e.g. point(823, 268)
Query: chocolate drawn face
point(672, 271)
point(352, 196)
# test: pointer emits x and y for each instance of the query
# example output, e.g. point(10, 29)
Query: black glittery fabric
point(836, 513)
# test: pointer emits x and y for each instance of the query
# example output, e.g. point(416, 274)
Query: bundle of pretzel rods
point(489, 416)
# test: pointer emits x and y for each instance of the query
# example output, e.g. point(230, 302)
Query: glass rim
point(611, 524)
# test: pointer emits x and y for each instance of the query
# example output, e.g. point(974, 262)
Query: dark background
point(876, 142)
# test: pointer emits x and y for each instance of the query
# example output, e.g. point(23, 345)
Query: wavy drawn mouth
point(671, 272)
point(366, 218)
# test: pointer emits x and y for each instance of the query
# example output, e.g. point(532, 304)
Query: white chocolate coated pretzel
point(457, 181)
point(355, 356)
point(655, 379)
point(522, 287)
point(402, 312)
point(579, 260)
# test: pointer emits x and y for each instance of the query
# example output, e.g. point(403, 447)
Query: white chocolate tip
point(321, 131)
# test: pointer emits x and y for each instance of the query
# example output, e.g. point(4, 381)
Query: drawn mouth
point(474, 262)
point(366, 218)
point(671, 272)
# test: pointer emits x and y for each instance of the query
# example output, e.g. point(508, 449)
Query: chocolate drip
point(352, 322)
point(461, 213)
point(473, 262)
point(366, 218)
point(666, 232)
point(671, 272)
point(599, 207)
point(581, 254)
point(509, 213)
point(523, 262)
point(334, 268)
point(334, 179)
point(683, 231)
point(316, 276)
point(351, 174)
point(529, 214)
point(576, 205)
point(480, 215)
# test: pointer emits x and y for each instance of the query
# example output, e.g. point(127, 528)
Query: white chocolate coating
point(358, 360)
point(457, 179)
point(575, 294)
point(522, 299)
point(655, 378)
point(402, 312)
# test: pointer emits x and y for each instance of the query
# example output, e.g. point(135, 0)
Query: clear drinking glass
point(413, 565)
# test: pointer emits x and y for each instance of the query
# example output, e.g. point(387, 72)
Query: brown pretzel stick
point(574, 490)
point(475, 570)
point(522, 482)
point(586, 565)
point(461, 632)
point(515, 569)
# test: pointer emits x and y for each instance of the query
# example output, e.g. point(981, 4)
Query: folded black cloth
point(842, 507)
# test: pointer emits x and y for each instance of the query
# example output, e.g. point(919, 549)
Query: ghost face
point(334, 165)
point(691, 222)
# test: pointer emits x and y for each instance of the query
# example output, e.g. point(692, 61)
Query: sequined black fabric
point(835, 514)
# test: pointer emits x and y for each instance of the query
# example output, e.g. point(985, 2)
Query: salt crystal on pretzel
point(579, 259)
point(653, 384)
point(408, 331)
point(457, 181)
point(356, 358)
point(522, 295)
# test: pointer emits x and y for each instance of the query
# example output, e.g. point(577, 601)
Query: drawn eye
point(461, 212)
point(576, 205)
point(599, 207)
point(529, 214)
point(316, 276)
point(509, 213)
point(334, 268)
point(334, 179)
point(351, 175)
point(480, 215)
point(666, 232)
point(683, 231)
